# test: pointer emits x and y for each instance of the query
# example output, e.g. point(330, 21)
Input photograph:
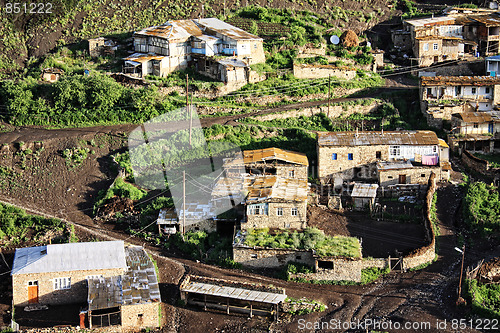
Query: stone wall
point(415, 175)
point(479, 165)
point(140, 315)
point(336, 110)
point(305, 71)
point(344, 269)
point(272, 220)
point(46, 293)
point(270, 258)
point(435, 114)
point(427, 253)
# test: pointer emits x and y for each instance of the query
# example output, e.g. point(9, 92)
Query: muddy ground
point(426, 295)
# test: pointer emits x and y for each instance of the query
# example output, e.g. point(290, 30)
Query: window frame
point(350, 156)
point(62, 283)
point(279, 211)
point(294, 211)
point(334, 156)
point(435, 46)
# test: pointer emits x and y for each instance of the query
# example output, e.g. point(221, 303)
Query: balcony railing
point(230, 51)
point(199, 51)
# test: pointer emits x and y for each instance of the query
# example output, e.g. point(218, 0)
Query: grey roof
point(69, 257)
point(384, 165)
point(416, 138)
point(226, 29)
point(232, 62)
point(139, 284)
point(235, 293)
point(364, 190)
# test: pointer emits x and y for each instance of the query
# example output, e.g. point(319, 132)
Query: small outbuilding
point(52, 74)
point(363, 195)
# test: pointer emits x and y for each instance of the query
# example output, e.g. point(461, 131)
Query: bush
point(485, 298)
point(482, 207)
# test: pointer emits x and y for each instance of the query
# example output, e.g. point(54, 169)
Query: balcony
point(198, 51)
point(230, 51)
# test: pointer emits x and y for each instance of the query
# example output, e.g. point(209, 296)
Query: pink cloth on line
point(430, 160)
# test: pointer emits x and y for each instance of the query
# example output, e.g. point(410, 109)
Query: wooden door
point(33, 292)
point(402, 179)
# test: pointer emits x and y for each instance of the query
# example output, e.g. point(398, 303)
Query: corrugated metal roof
point(262, 155)
point(179, 30)
point(167, 216)
point(142, 57)
point(273, 187)
point(139, 284)
point(234, 62)
point(476, 117)
point(69, 257)
point(364, 190)
point(430, 21)
point(226, 29)
point(414, 138)
point(495, 58)
point(459, 80)
point(224, 288)
point(385, 165)
point(487, 20)
point(443, 143)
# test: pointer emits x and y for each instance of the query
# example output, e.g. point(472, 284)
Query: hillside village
point(250, 167)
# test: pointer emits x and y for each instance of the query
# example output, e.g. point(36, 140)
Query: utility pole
point(329, 95)
point(188, 108)
point(460, 300)
point(183, 202)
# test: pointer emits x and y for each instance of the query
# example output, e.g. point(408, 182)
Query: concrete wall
point(272, 220)
point(264, 257)
point(415, 175)
point(305, 71)
point(140, 315)
point(46, 293)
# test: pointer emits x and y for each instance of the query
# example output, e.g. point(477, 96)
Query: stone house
point(52, 74)
point(101, 46)
point(65, 274)
point(493, 66)
point(269, 161)
point(404, 172)
point(347, 156)
point(442, 96)
point(174, 45)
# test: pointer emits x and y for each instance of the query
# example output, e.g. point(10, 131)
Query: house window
point(422, 175)
point(390, 177)
point(429, 91)
point(435, 46)
point(291, 173)
point(255, 46)
point(473, 90)
point(395, 150)
point(253, 256)
point(295, 211)
point(458, 90)
point(350, 156)
point(476, 125)
point(487, 90)
point(334, 156)
point(94, 277)
point(298, 257)
point(62, 283)
point(378, 154)
point(279, 211)
point(426, 46)
point(257, 209)
point(325, 264)
point(32, 283)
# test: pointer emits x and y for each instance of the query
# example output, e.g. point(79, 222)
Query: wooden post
point(90, 319)
point(329, 95)
point(183, 201)
point(205, 302)
point(228, 306)
point(251, 313)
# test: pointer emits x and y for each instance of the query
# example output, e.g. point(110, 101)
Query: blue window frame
point(334, 156)
point(350, 157)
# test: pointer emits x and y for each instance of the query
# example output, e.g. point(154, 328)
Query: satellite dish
point(368, 44)
point(334, 39)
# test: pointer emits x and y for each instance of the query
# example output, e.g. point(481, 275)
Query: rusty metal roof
point(167, 216)
point(272, 187)
point(226, 29)
point(141, 57)
point(364, 190)
point(488, 20)
point(263, 155)
point(459, 80)
point(443, 143)
point(414, 138)
point(477, 117)
point(434, 37)
point(179, 30)
point(430, 21)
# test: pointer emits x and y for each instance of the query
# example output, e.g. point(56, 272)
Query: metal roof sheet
point(69, 257)
point(141, 57)
point(385, 165)
point(226, 29)
point(139, 284)
point(488, 20)
point(364, 190)
point(263, 155)
point(459, 80)
point(478, 117)
point(273, 187)
point(234, 293)
point(429, 21)
point(234, 62)
point(178, 30)
point(415, 138)
point(443, 143)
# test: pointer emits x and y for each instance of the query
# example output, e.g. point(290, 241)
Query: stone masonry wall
point(270, 258)
point(303, 71)
point(272, 220)
point(344, 269)
point(413, 175)
point(362, 155)
point(46, 293)
point(140, 315)
point(426, 253)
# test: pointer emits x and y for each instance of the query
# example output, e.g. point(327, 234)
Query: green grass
point(309, 239)
point(481, 208)
point(493, 159)
point(368, 275)
point(485, 298)
point(310, 306)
